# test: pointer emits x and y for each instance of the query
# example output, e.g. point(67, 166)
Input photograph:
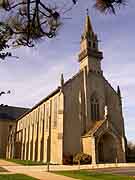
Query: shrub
point(130, 152)
point(83, 158)
point(130, 159)
point(68, 159)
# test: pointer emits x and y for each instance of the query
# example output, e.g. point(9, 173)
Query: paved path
point(47, 176)
point(14, 168)
point(40, 173)
point(7, 172)
point(7, 163)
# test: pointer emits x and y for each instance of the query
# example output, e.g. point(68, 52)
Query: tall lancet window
point(94, 108)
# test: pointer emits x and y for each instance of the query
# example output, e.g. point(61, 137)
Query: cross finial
point(87, 12)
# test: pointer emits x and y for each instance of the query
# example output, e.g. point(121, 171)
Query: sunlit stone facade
point(84, 114)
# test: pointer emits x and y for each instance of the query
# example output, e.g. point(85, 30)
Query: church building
point(84, 114)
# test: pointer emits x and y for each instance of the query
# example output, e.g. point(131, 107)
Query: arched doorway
point(107, 149)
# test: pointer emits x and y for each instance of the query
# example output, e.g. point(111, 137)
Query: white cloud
point(32, 78)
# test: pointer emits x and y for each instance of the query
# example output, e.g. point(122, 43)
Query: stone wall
point(40, 131)
point(5, 126)
point(74, 114)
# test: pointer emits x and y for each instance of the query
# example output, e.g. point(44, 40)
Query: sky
point(37, 71)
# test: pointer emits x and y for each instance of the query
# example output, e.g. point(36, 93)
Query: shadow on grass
point(26, 162)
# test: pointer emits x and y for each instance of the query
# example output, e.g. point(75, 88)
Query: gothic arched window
point(89, 43)
point(94, 45)
point(94, 108)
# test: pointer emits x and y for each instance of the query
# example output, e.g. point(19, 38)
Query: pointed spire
point(88, 26)
point(62, 80)
point(118, 91)
point(119, 94)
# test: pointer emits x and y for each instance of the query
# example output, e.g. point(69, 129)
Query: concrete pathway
point(40, 172)
point(47, 176)
point(7, 172)
point(7, 163)
point(14, 168)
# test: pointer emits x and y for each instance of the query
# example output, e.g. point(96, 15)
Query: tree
point(30, 20)
point(130, 152)
point(105, 6)
point(3, 92)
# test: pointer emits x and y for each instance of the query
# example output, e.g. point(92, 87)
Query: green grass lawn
point(26, 162)
point(15, 177)
point(86, 175)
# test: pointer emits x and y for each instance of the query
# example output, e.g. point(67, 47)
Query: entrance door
point(107, 150)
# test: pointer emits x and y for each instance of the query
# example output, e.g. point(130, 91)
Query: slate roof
point(50, 95)
point(10, 112)
point(96, 126)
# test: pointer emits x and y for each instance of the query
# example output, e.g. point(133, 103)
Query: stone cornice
point(90, 52)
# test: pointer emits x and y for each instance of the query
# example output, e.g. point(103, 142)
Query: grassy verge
point(26, 162)
point(15, 177)
point(86, 175)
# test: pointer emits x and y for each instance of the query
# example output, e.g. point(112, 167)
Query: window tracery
point(94, 108)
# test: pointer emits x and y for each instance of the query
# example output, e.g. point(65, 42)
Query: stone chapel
point(84, 114)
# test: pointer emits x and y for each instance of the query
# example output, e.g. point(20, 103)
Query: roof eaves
point(39, 103)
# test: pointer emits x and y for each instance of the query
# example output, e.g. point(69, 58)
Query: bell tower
point(89, 56)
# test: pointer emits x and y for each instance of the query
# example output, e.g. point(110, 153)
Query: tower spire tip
point(87, 12)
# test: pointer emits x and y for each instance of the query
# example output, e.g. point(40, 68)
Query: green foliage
point(67, 159)
point(77, 158)
point(82, 158)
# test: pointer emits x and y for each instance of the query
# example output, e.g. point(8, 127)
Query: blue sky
point(37, 72)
